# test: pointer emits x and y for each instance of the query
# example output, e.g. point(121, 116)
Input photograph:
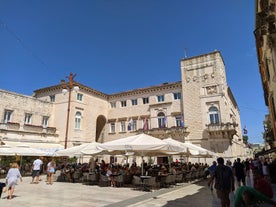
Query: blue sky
point(118, 45)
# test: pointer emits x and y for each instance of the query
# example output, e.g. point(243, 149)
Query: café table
point(144, 186)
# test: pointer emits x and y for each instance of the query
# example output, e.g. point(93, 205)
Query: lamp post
point(67, 87)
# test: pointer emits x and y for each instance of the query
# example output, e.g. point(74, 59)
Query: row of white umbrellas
point(141, 144)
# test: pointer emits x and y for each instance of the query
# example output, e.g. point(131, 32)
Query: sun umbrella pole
point(142, 167)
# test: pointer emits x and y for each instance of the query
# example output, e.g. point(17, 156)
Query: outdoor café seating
point(90, 178)
point(136, 182)
point(104, 181)
point(119, 180)
point(150, 183)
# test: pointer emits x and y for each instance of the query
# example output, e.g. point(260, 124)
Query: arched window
point(162, 120)
point(78, 120)
point(214, 115)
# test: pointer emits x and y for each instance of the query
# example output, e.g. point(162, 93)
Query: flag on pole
point(182, 121)
point(145, 126)
point(130, 124)
point(244, 130)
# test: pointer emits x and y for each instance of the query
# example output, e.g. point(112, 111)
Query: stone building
point(200, 109)
point(265, 36)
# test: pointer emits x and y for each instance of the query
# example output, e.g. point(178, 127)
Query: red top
point(264, 187)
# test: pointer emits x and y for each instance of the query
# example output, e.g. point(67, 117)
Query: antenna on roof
point(185, 50)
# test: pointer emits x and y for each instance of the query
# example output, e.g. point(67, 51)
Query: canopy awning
point(265, 152)
point(49, 147)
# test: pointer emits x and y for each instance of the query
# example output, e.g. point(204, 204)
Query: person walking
point(224, 182)
point(247, 167)
point(37, 165)
point(239, 172)
point(11, 179)
point(50, 171)
point(211, 172)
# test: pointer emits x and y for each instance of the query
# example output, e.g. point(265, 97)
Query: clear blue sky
point(118, 45)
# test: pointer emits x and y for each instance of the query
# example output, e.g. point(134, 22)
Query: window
point(112, 127)
point(160, 98)
point(79, 96)
point(214, 115)
point(145, 100)
point(134, 125)
point(45, 120)
point(52, 98)
point(113, 105)
point(179, 122)
point(177, 96)
point(134, 102)
point(162, 120)
point(28, 118)
point(7, 116)
point(123, 104)
point(123, 126)
point(78, 120)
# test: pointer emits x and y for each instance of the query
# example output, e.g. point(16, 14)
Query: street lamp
point(68, 87)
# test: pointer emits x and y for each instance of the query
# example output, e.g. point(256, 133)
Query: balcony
point(50, 130)
point(32, 128)
point(26, 128)
point(10, 126)
point(173, 132)
point(222, 130)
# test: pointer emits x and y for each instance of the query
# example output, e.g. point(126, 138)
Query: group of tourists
point(223, 178)
point(14, 174)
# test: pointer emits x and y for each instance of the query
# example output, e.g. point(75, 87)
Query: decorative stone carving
point(211, 90)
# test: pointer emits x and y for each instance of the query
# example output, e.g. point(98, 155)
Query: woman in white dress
point(11, 179)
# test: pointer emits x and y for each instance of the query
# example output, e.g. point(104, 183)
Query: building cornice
point(152, 89)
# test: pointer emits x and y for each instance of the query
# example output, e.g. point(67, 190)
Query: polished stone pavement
point(75, 194)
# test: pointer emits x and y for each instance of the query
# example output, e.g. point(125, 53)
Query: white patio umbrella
point(179, 147)
point(141, 144)
point(21, 150)
point(197, 151)
point(83, 149)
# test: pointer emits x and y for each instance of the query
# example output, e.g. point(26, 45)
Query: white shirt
point(37, 163)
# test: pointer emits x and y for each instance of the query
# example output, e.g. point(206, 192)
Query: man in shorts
point(224, 182)
point(37, 164)
point(211, 171)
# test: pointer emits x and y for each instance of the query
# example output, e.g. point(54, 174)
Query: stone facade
point(205, 76)
point(265, 35)
point(180, 110)
point(16, 127)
